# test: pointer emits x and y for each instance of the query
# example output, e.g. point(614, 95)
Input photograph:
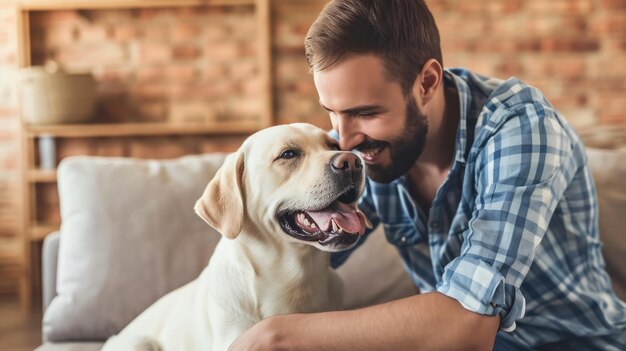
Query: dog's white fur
point(262, 271)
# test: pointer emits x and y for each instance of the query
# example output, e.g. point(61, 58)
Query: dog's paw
point(132, 343)
point(148, 344)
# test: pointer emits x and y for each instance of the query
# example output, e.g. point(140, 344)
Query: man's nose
point(348, 136)
point(346, 142)
point(345, 162)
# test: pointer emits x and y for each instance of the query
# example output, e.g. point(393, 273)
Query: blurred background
point(166, 78)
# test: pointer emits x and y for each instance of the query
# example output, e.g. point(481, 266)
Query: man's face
point(372, 115)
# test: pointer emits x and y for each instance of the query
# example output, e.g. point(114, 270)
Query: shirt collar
point(465, 102)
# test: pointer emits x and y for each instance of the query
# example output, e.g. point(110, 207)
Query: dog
point(282, 202)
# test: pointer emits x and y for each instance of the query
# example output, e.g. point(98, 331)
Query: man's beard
point(404, 150)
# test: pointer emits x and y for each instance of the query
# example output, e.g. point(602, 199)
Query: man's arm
point(430, 321)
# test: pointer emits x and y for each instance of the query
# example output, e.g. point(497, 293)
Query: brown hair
point(402, 33)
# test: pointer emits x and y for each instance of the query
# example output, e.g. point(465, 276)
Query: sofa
point(129, 235)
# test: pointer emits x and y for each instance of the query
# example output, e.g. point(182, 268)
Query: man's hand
point(265, 336)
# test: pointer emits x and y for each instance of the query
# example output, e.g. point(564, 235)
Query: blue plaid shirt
point(513, 230)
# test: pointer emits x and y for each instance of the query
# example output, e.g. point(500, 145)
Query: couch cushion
point(374, 274)
point(71, 346)
point(609, 172)
point(128, 236)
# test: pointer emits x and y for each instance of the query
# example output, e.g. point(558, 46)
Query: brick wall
point(573, 50)
point(9, 147)
point(158, 64)
point(9, 126)
point(295, 95)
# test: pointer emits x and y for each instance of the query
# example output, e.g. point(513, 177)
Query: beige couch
point(129, 235)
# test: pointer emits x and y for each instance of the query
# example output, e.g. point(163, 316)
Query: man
point(480, 184)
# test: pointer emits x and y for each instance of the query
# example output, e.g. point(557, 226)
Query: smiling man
point(480, 184)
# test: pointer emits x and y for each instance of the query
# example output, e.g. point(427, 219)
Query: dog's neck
point(269, 254)
point(284, 276)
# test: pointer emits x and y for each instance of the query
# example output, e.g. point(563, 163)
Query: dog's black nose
point(345, 162)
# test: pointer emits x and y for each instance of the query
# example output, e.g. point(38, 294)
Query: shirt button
point(403, 239)
point(434, 225)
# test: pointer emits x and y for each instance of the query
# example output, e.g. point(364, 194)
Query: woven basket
point(54, 98)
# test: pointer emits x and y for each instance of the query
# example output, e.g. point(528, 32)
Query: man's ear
point(427, 81)
point(221, 204)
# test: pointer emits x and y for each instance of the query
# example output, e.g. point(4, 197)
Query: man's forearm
point(430, 321)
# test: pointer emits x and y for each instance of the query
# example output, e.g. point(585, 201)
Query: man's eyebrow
point(355, 109)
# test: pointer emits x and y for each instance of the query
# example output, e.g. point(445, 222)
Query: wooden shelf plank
point(141, 129)
point(10, 271)
point(32, 232)
point(43, 5)
point(10, 255)
point(40, 231)
point(42, 176)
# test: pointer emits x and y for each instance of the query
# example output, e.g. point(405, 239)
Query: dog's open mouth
point(340, 223)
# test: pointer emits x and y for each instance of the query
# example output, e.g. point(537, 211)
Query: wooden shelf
point(40, 231)
point(141, 129)
point(42, 5)
point(42, 176)
point(11, 270)
point(9, 256)
point(33, 232)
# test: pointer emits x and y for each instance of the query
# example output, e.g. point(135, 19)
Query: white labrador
point(283, 201)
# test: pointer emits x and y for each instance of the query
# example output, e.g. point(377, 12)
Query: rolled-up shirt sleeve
point(521, 172)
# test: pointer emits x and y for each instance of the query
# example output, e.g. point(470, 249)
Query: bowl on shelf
point(52, 96)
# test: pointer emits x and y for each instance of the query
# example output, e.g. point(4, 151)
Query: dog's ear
point(221, 204)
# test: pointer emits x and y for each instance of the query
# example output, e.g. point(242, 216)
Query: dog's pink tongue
point(344, 215)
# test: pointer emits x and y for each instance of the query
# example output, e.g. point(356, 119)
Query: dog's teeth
point(306, 222)
point(340, 230)
point(335, 226)
point(368, 224)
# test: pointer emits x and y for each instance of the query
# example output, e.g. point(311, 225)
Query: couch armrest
point(49, 260)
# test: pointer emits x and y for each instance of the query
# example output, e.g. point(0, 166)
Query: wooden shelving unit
point(39, 232)
point(46, 5)
point(140, 129)
point(41, 176)
point(33, 232)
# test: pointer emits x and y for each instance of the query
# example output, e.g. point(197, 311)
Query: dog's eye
point(334, 147)
point(288, 154)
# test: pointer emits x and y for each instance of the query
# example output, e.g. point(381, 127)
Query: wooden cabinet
point(33, 228)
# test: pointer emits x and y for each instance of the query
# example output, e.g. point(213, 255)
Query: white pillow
point(128, 236)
